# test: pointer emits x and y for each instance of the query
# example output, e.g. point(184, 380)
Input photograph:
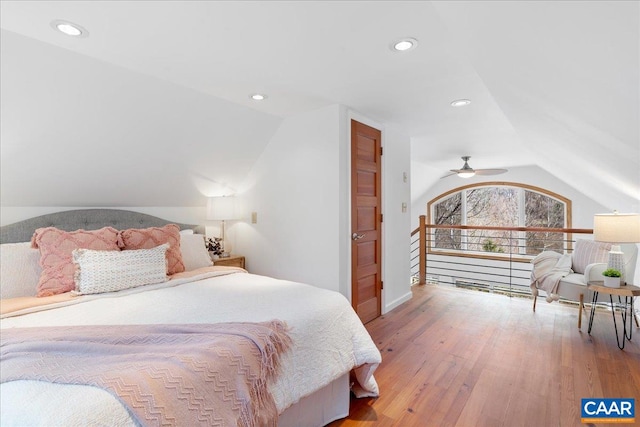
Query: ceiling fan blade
point(467, 171)
point(453, 172)
point(490, 171)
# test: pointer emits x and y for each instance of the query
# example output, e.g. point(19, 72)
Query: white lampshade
point(617, 228)
point(221, 208)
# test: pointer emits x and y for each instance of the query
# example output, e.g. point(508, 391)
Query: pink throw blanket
point(201, 374)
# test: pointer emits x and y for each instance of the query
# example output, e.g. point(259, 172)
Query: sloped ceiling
point(552, 83)
point(80, 132)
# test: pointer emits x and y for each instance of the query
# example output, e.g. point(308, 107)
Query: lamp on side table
point(617, 228)
point(223, 209)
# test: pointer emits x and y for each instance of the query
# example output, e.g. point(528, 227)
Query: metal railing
point(494, 259)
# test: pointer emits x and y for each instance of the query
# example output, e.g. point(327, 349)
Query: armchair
point(566, 276)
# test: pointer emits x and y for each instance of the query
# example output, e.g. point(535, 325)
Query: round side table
point(626, 307)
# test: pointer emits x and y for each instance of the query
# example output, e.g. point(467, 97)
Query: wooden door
point(366, 221)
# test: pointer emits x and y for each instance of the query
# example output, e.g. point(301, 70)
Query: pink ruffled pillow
point(147, 238)
point(56, 247)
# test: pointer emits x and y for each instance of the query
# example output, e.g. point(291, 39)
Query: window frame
point(521, 257)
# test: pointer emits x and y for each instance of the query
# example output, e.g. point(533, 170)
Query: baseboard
point(393, 304)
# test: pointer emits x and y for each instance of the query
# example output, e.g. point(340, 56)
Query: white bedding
point(329, 340)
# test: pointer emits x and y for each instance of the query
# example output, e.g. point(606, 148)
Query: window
point(499, 205)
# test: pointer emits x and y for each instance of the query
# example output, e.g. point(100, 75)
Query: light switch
point(404, 177)
point(254, 217)
point(404, 207)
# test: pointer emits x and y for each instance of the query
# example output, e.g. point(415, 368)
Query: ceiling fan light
point(466, 174)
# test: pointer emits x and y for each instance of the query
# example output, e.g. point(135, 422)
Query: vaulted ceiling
point(553, 84)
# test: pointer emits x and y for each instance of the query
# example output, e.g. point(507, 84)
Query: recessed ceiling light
point(460, 102)
point(404, 44)
point(258, 96)
point(69, 28)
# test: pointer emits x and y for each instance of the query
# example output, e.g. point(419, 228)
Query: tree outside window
point(449, 212)
point(543, 211)
point(499, 206)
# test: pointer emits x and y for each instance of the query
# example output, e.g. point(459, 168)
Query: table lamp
point(617, 228)
point(222, 208)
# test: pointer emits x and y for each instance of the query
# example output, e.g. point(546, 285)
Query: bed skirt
point(328, 404)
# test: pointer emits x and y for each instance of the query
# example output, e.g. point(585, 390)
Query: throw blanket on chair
point(200, 374)
point(548, 269)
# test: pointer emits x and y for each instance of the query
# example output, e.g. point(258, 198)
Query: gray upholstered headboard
point(88, 219)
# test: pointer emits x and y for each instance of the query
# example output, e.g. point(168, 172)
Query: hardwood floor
point(455, 357)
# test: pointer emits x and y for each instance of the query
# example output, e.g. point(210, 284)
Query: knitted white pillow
point(110, 271)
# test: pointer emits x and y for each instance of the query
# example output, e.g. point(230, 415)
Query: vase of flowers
point(611, 278)
point(214, 247)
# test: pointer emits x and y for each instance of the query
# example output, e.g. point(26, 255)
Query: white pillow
point(19, 270)
point(589, 252)
point(194, 252)
point(110, 271)
point(186, 231)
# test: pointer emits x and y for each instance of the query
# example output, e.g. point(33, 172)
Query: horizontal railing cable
point(494, 258)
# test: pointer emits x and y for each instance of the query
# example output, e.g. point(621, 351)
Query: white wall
point(294, 187)
point(77, 131)
point(397, 224)
point(299, 188)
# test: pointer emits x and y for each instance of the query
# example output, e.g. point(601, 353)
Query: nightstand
point(230, 261)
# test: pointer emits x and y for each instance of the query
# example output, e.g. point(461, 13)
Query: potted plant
point(611, 278)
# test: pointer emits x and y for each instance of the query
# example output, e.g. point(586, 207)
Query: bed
point(329, 353)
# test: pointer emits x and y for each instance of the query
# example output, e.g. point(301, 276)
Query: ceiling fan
point(467, 171)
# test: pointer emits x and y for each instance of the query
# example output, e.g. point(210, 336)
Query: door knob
point(356, 236)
